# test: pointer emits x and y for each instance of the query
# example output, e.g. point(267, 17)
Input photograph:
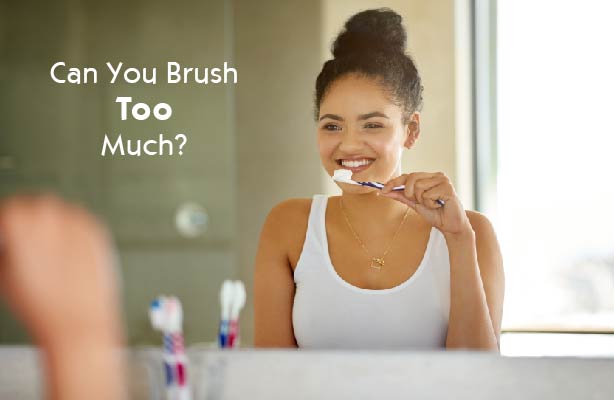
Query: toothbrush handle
point(376, 185)
point(233, 333)
point(223, 336)
point(379, 185)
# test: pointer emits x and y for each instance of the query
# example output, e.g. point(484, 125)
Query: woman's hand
point(422, 189)
point(57, 269)
point(57, 272)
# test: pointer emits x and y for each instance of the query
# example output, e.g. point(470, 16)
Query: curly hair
point(372, 44)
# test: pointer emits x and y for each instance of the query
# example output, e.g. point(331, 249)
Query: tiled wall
point(52, 135)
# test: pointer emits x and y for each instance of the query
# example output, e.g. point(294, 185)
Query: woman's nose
point(350, 140)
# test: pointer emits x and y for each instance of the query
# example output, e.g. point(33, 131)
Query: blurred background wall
point(250, 145)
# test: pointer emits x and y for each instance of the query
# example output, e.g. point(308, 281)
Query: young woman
point(376, 269)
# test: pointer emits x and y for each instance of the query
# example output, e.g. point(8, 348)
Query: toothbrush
point(226, 297)
point(159, 321)
point(237, 304)
point(166, 315)
point(176, 346)
point(345, 176)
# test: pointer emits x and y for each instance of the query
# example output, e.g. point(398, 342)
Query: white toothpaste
point(344, 176)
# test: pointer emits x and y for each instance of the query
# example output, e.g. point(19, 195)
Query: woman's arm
point(476, 268)
point(274, 282)
point(477, 286)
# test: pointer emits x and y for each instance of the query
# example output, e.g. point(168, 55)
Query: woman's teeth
point(355, 163)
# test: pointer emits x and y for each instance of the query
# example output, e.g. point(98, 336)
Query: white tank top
point(331, 313)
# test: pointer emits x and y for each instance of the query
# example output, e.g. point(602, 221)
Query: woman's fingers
point(431, 196)
point(423, 185)
point(405, 179)
point(415, 183)
point(399, 180)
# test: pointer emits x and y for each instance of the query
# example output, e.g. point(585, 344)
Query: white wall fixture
point(191, 220)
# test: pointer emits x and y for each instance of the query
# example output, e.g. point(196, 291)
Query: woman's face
point(360, 129)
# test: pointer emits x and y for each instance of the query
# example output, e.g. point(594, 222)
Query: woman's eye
point(331, 127)
point(372, 126)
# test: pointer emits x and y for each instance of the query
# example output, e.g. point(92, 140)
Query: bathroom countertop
point(307, 374)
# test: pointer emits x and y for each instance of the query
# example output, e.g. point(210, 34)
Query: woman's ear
point(413, 130)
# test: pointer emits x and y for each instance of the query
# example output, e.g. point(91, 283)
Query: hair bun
point(379, 29)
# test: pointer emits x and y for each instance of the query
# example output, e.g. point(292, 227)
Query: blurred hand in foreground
point(58, 275)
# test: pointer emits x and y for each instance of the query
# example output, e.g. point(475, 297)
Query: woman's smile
point(355, 164)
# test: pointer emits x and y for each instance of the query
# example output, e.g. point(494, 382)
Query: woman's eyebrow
point(331, 116)
point(372, 114)
point(360, 117)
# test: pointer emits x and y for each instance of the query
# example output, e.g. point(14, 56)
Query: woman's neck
point(372, 206)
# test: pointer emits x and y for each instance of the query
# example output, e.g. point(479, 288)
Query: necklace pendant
point(377, 263)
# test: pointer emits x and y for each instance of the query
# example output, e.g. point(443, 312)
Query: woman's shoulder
point(287, 224)
point(293, 204)
point(290, 212)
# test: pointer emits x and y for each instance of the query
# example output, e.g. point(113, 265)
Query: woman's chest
point(380, 263)
point(377, 262)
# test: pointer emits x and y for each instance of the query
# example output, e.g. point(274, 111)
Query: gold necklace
point(376, 262)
